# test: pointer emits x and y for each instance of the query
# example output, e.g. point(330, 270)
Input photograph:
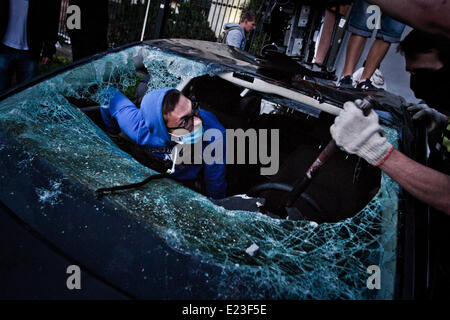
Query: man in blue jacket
point(166, 119)
point(235, 33)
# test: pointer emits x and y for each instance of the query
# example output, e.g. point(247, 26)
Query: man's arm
point(427, 15)
point(360, 135)
point(126, 115)
point(426, 184)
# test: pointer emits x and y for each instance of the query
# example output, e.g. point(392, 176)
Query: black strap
point(100, 192)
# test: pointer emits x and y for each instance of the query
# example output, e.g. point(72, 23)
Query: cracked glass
point(295, 260)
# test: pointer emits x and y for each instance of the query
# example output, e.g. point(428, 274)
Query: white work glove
point(434, 118)
point(361, 135)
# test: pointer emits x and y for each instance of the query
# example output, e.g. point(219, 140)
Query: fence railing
point(196, 19)
point(62, 30)
point(223, 11)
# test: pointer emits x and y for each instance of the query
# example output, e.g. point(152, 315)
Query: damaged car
point(166, 240)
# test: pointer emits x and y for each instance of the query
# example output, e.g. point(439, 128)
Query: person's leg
point(6, 68)
point(391, 32)
point(376, 55)
point(355, 49)
point(325, 37)
point(27, 68)
point(357, 25)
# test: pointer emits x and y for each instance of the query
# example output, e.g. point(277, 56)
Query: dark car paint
point(137, 261)
point(34, 268)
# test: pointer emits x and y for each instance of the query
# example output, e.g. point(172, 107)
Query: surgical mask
point(191, 137)
point(432, 86)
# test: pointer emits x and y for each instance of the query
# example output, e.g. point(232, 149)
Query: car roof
point(241, 64)
point(272, 72)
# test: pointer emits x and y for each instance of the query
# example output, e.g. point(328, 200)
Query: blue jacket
point(146, 127)
point(235, 37)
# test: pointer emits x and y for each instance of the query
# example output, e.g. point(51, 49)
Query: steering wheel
point(278, 186)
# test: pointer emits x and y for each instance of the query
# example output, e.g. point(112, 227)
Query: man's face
point(181, 116)
point(248, 25)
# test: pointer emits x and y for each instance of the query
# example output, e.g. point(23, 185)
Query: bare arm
point(427, 15)
point(424, 183)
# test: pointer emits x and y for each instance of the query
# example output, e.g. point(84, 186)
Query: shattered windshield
point(296, 259)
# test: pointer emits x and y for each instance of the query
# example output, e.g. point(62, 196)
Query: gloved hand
point(361, 135)
point(434, 118)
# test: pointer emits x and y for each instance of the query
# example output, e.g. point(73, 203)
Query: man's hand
point(45, 60)
point(361, 135)
point(433, 118)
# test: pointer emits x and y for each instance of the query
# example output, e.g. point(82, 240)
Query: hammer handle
point(301, 185)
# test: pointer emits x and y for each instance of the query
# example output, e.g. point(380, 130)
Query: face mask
point(190, 137)
point(432, 87)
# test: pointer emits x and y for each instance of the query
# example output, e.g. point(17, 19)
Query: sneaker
point(377, 78)
point(346, 82)
point(366, 85)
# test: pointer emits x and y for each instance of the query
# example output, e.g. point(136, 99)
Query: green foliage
point(260, 39)
point(56, 62)
point(126, 20)
point(254, 5)
point(189, 23)
point(130, 91)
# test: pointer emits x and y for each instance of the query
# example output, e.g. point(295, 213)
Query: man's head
point(180, 114)
point(425, 51)
point(427, 60)
point(248, 21)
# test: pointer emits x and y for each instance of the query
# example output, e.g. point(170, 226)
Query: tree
point(189, 21)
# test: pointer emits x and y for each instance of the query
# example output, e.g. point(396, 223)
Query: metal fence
point(62, 30)
point(194, 19)
point(223, 11)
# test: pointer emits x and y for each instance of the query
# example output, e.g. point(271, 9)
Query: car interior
point(343, 186)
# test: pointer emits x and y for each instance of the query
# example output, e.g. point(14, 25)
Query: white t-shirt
point(16, 32)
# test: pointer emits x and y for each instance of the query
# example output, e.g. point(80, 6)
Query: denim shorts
point(391, 30)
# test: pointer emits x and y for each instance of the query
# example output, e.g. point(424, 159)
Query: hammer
point(302, 184)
